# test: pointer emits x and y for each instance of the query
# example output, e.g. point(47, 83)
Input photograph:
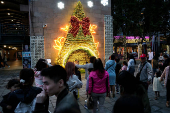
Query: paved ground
point(157, 106)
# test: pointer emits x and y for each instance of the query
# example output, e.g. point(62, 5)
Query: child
point(124, 65)
point(87, 86)
point(157, 84)
point(12, 86)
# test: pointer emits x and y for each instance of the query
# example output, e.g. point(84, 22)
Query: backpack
point(25, 108)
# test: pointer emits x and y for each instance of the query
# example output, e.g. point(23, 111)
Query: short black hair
point(112, 57)
point(129, 104)
point(117, 60)
point(158, 74)
point(55, 73)
point(41, 64)
point(165, 56)
point(125, 63)
point(90, 69)
point(12, 82)
point(92, 58)
point(27, 75)
point(128, 81)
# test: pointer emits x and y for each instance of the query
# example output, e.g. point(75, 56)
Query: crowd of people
point(102, 81)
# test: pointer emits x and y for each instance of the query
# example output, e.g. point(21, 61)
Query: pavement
point(157, 106)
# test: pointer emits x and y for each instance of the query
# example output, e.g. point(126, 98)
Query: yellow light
point(66, 28)
point(92, 27)
point(59, 43)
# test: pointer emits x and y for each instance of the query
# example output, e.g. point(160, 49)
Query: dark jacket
point(25, 95)
point(66, 103)
point(118, 67)
point(4, 104)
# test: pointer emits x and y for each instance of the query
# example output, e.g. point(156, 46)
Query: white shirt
point(150, 55)
point(161, 58)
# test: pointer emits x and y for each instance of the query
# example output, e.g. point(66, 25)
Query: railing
point(14, 30)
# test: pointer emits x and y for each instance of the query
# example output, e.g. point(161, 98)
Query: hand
point(149, 82)
point(9, 107)
point(41, 97)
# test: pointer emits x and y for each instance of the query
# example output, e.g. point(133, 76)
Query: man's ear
point(61, 83)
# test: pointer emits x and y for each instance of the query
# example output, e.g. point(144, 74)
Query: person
point(99, 85)
point(1, 60)
point(150, 54)
point(54, 79)
point(161, 58)
point(165, 63)
point(154, 63)
point(12, 85)
point(128, 104)
point(157, 84)
point(87, 66)
point(129, 85)
point(5, 61)
point(166, 75)
point(110, 68)
point(40, 65)
point(87, 87)
point(131, 64)
point(72, 80)
point(27, 93)
point(78, 73)
point(144, 71)
point(117, 69)
point(124, 65)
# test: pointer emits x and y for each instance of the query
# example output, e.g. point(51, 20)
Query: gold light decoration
point(79, 43)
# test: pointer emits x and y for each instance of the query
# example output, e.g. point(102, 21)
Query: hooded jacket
point(25, 95)
point(99, 82)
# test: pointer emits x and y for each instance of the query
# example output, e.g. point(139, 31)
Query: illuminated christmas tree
point(79, 43)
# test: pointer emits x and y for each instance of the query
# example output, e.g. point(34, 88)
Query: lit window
point(90, 3)
point(104, 2)
point(60, 5)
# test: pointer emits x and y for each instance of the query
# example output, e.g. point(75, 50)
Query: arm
point(129, 64)
point(149, 71)
point(77, 83)
point(163, 74)
point(90, 84)
point(82, 66)
point(3, 103)
point(87, 84)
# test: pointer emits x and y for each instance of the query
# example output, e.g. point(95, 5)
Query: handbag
point(138, 74)
point(90, 102)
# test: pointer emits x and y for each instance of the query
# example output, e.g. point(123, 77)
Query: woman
point(110, 68)
point(131, 64)
point(27, 93)
point(98, 85)
point(166, 75)
point(72, 80)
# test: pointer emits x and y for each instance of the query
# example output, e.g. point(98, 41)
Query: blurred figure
point(157, 84)
point(128, 104)
point(12, 85)
point(131, 86)
point(5, 61)
point(117, 69)
point(131, 64)
point(124, 65)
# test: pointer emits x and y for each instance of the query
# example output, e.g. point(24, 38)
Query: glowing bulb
point(2, 2)
point(12, 20)
point(9, 14)
point(60, 5)
point(90, 3)
point(104, 2)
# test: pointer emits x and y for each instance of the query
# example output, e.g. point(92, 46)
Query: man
point(146, 71)
point(130, 86)
point(150, 54)
point(87, 66)
point(54, 79)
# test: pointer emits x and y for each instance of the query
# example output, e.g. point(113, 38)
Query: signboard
point(26, 59)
